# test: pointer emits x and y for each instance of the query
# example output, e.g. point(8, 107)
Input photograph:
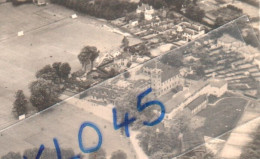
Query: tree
point(55, 73)
point(118, 155)
point(87, 55)
point(43, 94)
point(47, 73)
point(130, 17)
point(19, 105)
point(175, 60)
point(100, 154)
point(56, 67)
point(65, 70)
point(219, 21)
point(12, 155)
point(127, 74)
point(125, 42)
point(195, 13)
point(48, 153)
point(112, 73)
point(129, 64)
point(200, 71)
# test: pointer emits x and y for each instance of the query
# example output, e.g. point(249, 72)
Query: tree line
point(107, 9)
point(52, 80)
point(49, 153)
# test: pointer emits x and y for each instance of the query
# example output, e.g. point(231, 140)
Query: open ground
point(63, 122)
point(50, 36)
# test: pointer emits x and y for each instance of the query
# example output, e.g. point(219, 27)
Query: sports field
point(63, 123)
point(50, 35)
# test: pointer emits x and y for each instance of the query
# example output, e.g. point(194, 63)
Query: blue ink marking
point(141, 107)
point(40, 152)
point(125, 124)
point(91, 149)
point(75, 157)
point(57, 147)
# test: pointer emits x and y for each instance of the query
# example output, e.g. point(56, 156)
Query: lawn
point(50, 36)
point(222, 117)
point(63, 122)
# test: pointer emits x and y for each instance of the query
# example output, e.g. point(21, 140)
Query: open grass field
point(63, 122)
point(223, 116)
point(50, 36)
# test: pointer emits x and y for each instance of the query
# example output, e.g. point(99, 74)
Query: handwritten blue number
point(91, 149)
point(141, 107)
point(124, 124)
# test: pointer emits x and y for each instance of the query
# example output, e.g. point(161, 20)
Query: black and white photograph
point(130, 79)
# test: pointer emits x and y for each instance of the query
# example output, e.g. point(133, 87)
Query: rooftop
point(167, 70)
point(196, 102)
point(181, 96)
point(217, 83)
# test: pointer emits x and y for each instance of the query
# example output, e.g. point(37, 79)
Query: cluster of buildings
point(157, 29)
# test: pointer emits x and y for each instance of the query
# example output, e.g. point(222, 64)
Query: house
point(217, 87)
point(229, 43)
point(147, 10)
point(192, 31)
point(163, 77)
point(182, 99)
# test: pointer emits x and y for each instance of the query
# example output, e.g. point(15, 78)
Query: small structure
point(20, 33)
point(21, 117)
point(74, 16)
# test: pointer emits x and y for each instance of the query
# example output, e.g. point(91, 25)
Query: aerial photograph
point(130, 79)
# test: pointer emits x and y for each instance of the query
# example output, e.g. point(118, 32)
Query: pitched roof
point(182, 96)
point(196, 102)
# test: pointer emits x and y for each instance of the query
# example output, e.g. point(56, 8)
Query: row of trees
point(52, 80)
point(161, 140)
point(45, 90)
point(49, 84)
point(109, 10)
point(195, 13)
point(66, 153)
point(101, 154)
point(47, 154)
point(175, 4)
